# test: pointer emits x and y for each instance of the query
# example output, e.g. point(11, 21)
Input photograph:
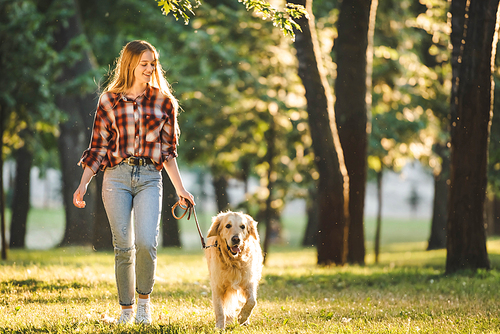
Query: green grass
point(69, 290)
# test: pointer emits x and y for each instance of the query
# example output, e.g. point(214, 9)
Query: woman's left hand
point(185, 196)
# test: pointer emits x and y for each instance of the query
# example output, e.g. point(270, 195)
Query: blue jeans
point(136, 189)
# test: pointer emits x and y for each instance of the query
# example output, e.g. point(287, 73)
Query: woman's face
point(145, 69)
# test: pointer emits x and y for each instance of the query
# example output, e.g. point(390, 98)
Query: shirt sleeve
point(95, 154)
point(169, 133)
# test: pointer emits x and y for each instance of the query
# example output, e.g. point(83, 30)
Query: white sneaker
point(125, 317)
point(143, 315)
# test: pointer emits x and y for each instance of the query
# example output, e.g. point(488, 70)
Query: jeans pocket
point(152, 168)
point(123, 162)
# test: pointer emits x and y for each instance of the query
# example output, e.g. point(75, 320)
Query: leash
point(189, 209)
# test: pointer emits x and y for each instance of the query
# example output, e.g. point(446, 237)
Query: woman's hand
point(78, 196)
point(173, 172)
point(82, 188)
point(184, 197)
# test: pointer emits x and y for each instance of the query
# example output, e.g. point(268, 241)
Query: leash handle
point(189, 208)
point(185, 208)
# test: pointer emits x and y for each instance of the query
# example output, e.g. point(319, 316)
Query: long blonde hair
point(123, 74)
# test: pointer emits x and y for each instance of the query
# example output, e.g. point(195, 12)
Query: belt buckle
point(132, 161)
point(136, 161)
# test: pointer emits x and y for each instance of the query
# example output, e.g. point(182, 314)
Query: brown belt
point(138, 161)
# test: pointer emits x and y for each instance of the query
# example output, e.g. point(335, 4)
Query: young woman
point(134, 136)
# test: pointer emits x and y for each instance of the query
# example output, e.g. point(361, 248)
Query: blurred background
point(407, 222)
point(236, 78)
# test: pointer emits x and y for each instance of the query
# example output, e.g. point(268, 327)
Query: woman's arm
point(175, 176)
point(82, 188)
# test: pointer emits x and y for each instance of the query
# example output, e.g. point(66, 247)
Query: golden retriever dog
point(234, 259)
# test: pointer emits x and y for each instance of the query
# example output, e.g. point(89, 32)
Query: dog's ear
point(213, 231)
point(252, 227)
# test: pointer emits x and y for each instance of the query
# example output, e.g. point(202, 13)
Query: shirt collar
point(148, 92)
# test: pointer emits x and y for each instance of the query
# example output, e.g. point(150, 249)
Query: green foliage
point(236, 78)
point(178, 8)
point(283, 19)
point(411, 83)
point(28, 63)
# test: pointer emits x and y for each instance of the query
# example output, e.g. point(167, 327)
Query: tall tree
point(378, 224)
point(431, 45)
point(437, 238)
point(220, 185)
point(493, 194)
point(101, 230)
point(351, 108)
point(3, 224)
point(410, 96)
point(26, 102)
point(333, 183)
point(471, 109)
point(311, 232)
point(170, 226)
point(77, 100)
point(21, 198)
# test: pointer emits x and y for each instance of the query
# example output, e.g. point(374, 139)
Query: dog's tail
point(232, 304)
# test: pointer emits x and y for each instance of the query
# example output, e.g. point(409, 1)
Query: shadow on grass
point(42, 292)
point(96, 327)
point(33, 285)
point(397, 281)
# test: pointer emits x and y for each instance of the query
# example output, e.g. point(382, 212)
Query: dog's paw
point(243, 318)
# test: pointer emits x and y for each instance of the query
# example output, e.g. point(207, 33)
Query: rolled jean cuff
point(121, 304)
point(144, 294)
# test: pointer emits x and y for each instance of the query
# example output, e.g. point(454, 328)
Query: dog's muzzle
point(235, 249)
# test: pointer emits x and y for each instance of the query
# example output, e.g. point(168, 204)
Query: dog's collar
point(214, 245)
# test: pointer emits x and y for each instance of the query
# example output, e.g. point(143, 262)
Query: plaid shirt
point(144, 127)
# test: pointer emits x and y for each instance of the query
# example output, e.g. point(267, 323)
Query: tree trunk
point(78, 229)
point(333, 183)
point(496, 216)
point(170, 232)
point(351, 109)
point(79, 107)
point(268, 213)
point(378, 227)
point(311, 233)
point(21, 197)
point(488, 214)
point(470, 126)
point(220, 186)
point(2, 192)
point(102, 238)
point(437, 239)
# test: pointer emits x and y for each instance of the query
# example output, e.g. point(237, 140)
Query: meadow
point(72, 290)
